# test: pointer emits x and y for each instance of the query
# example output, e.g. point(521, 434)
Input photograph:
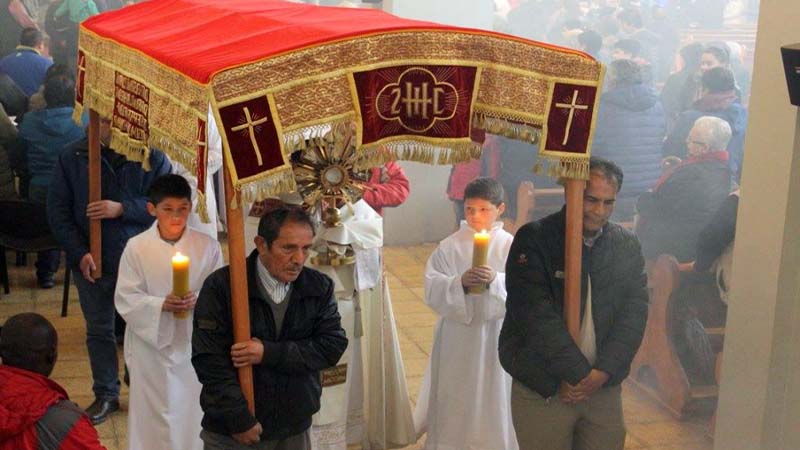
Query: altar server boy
point(164, 410)
point(465, 399)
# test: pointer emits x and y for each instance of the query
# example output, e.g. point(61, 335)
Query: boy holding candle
point(160, 272)
point(464, 401)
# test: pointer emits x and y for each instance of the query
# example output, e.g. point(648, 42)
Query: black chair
point(24, 228)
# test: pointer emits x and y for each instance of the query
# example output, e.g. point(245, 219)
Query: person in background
point(43, 136)
point(630, 129)
point(26, 65)
point(14, 17)
point(387, 186)
point(682, 202)
point(35, 411)
point(123, 214)
point(720, 99)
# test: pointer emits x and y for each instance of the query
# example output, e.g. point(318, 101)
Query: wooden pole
point(240, 310)
point(573, 253)
point(95, 194)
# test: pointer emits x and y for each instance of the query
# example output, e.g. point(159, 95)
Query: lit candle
point(480, 256)
point(180, 280)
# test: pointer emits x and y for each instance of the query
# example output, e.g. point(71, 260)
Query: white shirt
point(276, 289)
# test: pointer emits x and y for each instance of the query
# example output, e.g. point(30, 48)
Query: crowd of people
point(672, 119)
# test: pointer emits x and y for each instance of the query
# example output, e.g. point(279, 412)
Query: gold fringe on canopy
point(563, 167)
point(507, 128)
point(423, 152)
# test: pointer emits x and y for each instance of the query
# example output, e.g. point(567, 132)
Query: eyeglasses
point(690, 142)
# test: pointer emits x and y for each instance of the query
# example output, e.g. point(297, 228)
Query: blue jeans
point(97, 304)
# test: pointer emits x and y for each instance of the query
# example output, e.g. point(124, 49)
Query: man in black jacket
point(567, 395)
point(296, 332)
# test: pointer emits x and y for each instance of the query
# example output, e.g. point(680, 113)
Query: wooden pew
point(657, 368)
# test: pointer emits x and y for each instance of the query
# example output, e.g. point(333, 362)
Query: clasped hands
point(478, 276)
point(585, 388)
point(174, 303)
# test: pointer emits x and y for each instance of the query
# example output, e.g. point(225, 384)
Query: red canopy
point(202, 37)
point(270, 74)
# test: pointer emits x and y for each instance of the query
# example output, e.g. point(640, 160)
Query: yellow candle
point(480, 256)
point(180, 279)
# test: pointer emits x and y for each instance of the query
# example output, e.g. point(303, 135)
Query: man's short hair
point(630, 46)
point(723, 55)
point(59, 91)
point(31, 37)
point(485, 188)
point(591, 41)
point(718, 79)
point(269, 227)
point(631, 17)
point(716, 133)
point(28, 341)
point(625, 72)
point(608, 169)
point(169, 186)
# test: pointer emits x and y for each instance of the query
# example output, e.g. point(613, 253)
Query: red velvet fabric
point(202, 37)
point(431, 101)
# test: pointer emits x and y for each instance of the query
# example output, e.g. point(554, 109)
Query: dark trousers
point(97, 305)
point(47, 263)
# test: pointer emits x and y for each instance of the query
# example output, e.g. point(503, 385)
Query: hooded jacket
point(36, 414)
point(43, 136)
point(630, 130)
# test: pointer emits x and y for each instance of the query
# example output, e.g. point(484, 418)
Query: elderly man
point(35, 412)
point(684, 200)
point(567, 395)
point(296, 331)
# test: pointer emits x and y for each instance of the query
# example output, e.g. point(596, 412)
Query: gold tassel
point(574, 167)
point(506, 127)
point(202, 207)
point(77, 114)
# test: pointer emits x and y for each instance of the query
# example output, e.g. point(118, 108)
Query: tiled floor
point(649, 426)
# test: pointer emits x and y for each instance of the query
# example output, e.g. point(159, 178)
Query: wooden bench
point(657, 368)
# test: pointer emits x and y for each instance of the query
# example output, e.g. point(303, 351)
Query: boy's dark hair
point(59, 91)
point(170, 185)
point(723, 55)
point(487, 189)
point(610, 170)
point(630, 46)
point(29, 341)
point(59, 69)
point(269, 227)
point(31, 37)
point(718, 79)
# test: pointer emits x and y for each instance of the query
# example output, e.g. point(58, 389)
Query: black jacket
point(535, 346)
point(287, 381)
point(672, 216)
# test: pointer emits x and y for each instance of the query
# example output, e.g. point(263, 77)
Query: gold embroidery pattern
point(513, 92)
point(323, 98)
point(422, 45)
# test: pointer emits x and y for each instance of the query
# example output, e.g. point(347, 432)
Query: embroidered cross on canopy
point(275, 73)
